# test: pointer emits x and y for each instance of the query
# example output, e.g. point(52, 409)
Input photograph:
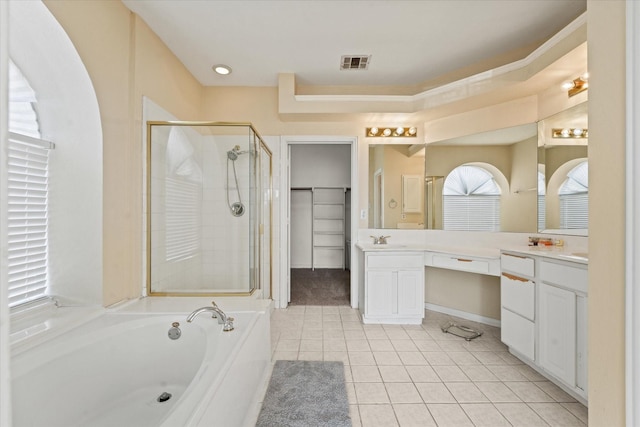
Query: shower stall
point(208, 209)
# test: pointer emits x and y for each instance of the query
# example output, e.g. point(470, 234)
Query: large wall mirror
point(396, 186)
point(563, 189)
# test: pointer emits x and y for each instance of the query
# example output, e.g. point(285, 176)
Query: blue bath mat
point(305, 394)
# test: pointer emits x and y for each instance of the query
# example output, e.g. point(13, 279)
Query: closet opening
point(320, 224)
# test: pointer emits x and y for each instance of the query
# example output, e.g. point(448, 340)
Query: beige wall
point(125, 60)
point(606, 35)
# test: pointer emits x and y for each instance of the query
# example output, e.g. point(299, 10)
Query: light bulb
point(399, 131)
point(577, 132)
point(373, 131)
point(222, 69)
point(568, 85)
point(386, 132)
point(565, 133)
point(412, 131)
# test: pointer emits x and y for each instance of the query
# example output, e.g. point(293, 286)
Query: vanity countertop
point(416, 247)
point(554, 252)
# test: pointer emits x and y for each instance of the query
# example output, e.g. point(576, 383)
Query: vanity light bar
point(392, 132)
point(570, 133)
point(577, 85)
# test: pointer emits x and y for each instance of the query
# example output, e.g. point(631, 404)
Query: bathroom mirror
point(563, 189)
point(396, 186)
point(483, 182)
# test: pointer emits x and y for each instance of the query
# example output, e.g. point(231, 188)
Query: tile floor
point(419, 376)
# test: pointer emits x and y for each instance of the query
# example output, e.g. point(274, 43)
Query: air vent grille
point(355, 62)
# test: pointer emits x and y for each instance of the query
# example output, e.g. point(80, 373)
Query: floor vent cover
point(355, 62)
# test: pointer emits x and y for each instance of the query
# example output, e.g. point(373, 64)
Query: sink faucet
point(382, 240)
point(223, 319)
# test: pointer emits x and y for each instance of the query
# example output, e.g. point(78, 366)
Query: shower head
point(234, 153)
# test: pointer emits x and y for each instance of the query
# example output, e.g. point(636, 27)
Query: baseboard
point(462, 314)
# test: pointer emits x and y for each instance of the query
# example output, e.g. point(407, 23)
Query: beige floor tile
point(361, 358)
point(404, 345)
point(366, 374)
point(381, 345)
point(452, 346)
point(418, 334)
point(529, 373)
point(377, 416)
point(422, 374)
point(435, 393)
point(447, 415)
point(394, 374)
point(310, 355)
point(376, 334)
point(285, 355)
point(288, 345)
point(463, 358)
point(396, 333)
point(484, 415)
point(478, 373)
point(412, 358)
point(336, 356)
point(437, 358)
point(509, 358)
point(555, 392)
point(355, 335)
point(334, 345)
point(311, 345)
point(413, 415)
point(556, 415)
point(578, 410)
point(497, 392)
point(466, 392)
point(450, 373)
point(528, 392)
point(351, 393)
point(354, 414)
point(367, 393)
point(506, 373)
point(352, 325)
point(488, 358)
point(333, 334)
point(403, 393)
point(311, 334)
point(520, 415)
point(358, 345)
point(427, 345)
point(387, 358)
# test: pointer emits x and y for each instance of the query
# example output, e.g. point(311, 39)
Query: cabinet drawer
point(518, 264)
point(518, 295)
point(574, 278)
point(461, 263)
point(518, 333)
point(395, 261)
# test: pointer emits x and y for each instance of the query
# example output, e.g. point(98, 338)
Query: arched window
point(28, 182)
point(471, 200)
point(574, 198)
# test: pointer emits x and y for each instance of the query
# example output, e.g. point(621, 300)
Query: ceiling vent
point(355, 62)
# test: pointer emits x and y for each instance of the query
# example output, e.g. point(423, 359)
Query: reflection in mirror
point(396, 186)
point(563, 192)
point(483, 182)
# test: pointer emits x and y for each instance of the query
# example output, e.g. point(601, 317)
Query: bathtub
point(121, 369)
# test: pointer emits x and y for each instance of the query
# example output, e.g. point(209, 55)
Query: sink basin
point(388, 246)
point(578, 256)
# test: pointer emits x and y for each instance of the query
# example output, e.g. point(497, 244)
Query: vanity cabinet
point(394, 288)
point(562, 330)
point(544, 316)
point(517, 297)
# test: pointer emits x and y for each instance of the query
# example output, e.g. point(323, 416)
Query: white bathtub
point(110, 372)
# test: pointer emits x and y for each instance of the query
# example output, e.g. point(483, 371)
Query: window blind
point(182, 212)
point(574, 210)
point(28, 165)
point(471, 213)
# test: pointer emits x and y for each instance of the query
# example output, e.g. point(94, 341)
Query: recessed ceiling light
point(222, 69)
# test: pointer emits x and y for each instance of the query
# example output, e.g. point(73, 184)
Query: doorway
point(319, 176)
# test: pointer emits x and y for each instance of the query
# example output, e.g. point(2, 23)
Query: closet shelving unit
point(328, 227)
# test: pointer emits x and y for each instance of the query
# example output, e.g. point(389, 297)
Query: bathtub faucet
point(223, 319)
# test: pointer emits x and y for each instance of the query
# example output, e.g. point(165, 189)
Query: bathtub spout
point(223, 319)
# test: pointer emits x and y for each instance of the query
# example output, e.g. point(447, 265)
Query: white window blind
point(574, 198)
point(28, 166)
point(182, 211)
point(471, 200)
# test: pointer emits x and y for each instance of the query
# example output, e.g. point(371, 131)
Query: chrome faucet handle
point(383, 239)
point(376, 240)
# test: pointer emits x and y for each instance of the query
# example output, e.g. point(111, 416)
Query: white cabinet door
point(557, 332)
point(581, 342)
point(518, 333)
point(410, 292)
point(380, 293)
